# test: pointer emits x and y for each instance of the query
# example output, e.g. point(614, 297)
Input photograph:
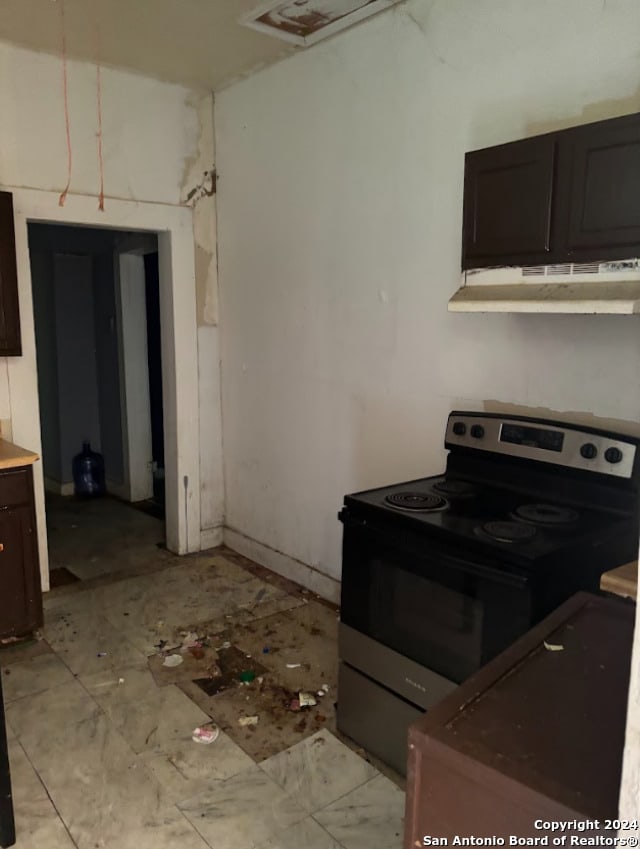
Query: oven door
point(447, 612)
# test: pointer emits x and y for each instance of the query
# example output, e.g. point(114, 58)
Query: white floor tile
point(242, 811)
point(370, 816)
point(318, 770)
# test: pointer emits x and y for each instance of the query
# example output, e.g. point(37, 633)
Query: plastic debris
point(293, 665)
point(247, 675)
point(197, 652)
point(307, 700)
point(325, 688)
point(190, 640)
point(248, 721)
point(205, 734)
point(120, 680)
point(553, 646)
point(172, 660)
point(321, 693)
point(226, 645)
point(102, 654)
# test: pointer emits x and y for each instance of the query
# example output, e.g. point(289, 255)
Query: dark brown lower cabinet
point(20, 589)
point(537, 735)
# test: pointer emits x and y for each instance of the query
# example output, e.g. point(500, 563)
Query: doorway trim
point(174, 227)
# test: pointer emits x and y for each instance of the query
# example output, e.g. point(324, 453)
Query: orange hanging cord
point(100, 157)
point(98, 52)
point(65, 86)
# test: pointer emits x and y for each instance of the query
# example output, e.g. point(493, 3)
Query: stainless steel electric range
point(441, 574)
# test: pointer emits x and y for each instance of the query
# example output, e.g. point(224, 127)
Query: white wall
point(340, 209)
point(340, 206)
point(157, 140)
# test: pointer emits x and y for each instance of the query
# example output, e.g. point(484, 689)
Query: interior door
point(135, 377)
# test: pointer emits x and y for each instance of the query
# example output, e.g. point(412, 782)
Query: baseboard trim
point(120, 490)
point(211, 537)
point(58, 488)
point(319, 583)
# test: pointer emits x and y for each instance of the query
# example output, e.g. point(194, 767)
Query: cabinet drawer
point(15, 487)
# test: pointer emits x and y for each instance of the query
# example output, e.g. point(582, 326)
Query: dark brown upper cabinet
point(570, 196)
point(599, 189)
point(507, 201)
point(10, 344)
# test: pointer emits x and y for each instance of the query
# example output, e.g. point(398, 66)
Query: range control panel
point(546, 442)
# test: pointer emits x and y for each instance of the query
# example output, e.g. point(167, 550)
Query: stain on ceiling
point(198, 43)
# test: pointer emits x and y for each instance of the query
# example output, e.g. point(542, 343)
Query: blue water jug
point(88, 473)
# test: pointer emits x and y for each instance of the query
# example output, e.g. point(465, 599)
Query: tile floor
point(100, 733)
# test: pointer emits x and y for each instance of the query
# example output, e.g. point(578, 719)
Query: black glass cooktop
point(518, 524)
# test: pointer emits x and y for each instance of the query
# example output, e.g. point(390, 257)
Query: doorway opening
point(96, 303)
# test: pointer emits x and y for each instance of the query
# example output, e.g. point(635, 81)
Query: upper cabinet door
point(602, 188)
point(508, 193)
point(10, 345)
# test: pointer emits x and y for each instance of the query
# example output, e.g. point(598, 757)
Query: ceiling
point(198, 43)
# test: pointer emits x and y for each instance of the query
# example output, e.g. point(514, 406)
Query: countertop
point(12, 456)
point(622, 581)
point(537, 731)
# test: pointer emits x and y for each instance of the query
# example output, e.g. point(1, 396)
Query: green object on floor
point(247, 676)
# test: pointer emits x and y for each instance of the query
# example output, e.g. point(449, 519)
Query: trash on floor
point(189, 639)
point(197, 652)
point(231, 669)
point(247, 721)
point(293, 665)
point(307, 700)
point(247, 676)
point(172, 660)
point(101, 654)
point(553, 646)
point(205, 734)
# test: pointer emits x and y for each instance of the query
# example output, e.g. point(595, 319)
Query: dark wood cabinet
point(599, 189)
point(570, 196)
point(10, 343)
point(508, 192)
point(20, 590)
point(536, 734)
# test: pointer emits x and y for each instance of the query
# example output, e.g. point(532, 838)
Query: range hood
point(579, 288)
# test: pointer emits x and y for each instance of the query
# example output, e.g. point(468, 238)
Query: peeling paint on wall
point(197, 190)
point(597, 111)
point(577, 417)
point(206, 188)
